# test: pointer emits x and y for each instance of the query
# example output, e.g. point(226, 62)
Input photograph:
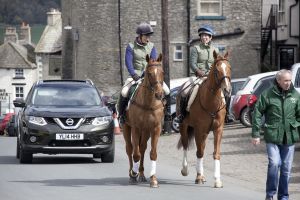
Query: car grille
point(64, 143)
point(86, 121)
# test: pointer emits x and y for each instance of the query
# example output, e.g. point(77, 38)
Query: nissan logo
point(69, 122)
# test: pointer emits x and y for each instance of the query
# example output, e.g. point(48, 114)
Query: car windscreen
point(65, 95)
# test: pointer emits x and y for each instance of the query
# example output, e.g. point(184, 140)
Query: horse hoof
point(184, 172)
point(142, 179)
point(200, 179)
point(218, 184)
point(154, 184)
point(132, 174)
point(133, 180)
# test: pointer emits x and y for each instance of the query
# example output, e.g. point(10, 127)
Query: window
point(178, 54)
point(209, 8)
point(19, 92)
point(281, 13)
point(19, 73)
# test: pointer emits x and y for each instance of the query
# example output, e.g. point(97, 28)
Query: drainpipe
point(120, 45)
point(290, 17)
point(188, 8)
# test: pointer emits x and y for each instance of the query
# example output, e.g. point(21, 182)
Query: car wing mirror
point(19, 103)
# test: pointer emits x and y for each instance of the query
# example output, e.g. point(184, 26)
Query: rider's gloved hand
point(199, 73)
point(136, 77)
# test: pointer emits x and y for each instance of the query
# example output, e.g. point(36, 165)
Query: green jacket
point(139, 56)
point(282, 115)
point(201, 57)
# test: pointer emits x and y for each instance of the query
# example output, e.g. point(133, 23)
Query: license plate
point(69, 136)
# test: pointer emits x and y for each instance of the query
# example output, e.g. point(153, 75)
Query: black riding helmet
point(144, 29)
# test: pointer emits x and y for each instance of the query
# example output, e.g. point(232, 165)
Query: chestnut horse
point(207, 113)
point(144, 120)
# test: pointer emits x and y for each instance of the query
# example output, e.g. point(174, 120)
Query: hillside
point(14, 12)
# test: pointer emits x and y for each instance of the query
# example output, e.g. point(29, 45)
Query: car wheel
point(245, 118)
point(25, 157)
point(18, 149)
point(109, 157)
point(175, 124)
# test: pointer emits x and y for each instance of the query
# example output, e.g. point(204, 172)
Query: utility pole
point(165, 51)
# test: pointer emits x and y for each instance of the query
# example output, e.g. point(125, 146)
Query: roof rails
point(89, 81)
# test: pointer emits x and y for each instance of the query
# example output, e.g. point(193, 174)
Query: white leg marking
point(217, 173)
point(155, 71)
point(184, 161)
point(153, 168)
point(135, 167)
point(199, 166)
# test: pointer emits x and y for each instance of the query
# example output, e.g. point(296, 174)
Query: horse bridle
point(152, 85)
point(215, 72)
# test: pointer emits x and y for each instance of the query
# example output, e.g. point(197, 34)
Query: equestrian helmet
point(144, 29)
point(206, 29)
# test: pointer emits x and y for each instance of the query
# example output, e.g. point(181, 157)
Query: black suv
point(64, 116)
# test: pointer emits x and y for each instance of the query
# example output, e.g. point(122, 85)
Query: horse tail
point(190, 138)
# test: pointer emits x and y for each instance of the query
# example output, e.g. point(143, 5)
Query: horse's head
point(154, 75)
point(221, 70)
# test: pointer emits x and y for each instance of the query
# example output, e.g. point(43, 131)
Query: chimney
point(25, 34)
point(11, 34)
point(53, 16)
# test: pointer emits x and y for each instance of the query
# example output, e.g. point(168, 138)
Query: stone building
point(102, 29)
point(17, 66)
point(49, 47)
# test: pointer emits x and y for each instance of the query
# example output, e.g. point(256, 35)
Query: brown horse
point(144, 120)
point(207, 113)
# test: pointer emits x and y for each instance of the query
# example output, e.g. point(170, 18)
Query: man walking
point(281, 107)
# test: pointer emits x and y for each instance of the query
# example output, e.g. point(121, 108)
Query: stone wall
point(97, 23)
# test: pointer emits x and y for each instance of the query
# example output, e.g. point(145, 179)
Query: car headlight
point(37, 120)
point(102, 120)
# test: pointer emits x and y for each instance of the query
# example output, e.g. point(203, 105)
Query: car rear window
point(246, 82)
point(55, 95)
point(236, 87)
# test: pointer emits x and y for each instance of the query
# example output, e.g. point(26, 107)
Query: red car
point(239, 104)
point(4, 121)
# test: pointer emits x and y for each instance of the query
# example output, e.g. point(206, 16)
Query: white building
point(18, 70)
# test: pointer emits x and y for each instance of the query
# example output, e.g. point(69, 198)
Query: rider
point(201, 59)
point(135, 61)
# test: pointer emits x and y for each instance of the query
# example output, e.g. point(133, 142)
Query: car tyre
point(245, 118)
point(109, 157)
point(175, 124)
point(18, 149)
point(25, 157)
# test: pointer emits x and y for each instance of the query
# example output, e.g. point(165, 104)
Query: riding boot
point(122, 104)
point(228, 117)
point(183, 111)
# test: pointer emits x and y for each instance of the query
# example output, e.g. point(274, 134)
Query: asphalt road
point(80, 177)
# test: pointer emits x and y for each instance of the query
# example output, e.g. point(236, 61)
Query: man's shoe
point(269, 198)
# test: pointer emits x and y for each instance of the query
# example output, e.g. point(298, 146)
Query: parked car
point(296, 76)
point(261, 86)
point(239, 104)
point(4, 122)
point(64, 116)
point(236, 85)
point(10, 128)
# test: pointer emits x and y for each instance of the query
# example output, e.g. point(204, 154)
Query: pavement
point(241, 162)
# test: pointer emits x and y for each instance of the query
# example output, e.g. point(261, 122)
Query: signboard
point(3, 94)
